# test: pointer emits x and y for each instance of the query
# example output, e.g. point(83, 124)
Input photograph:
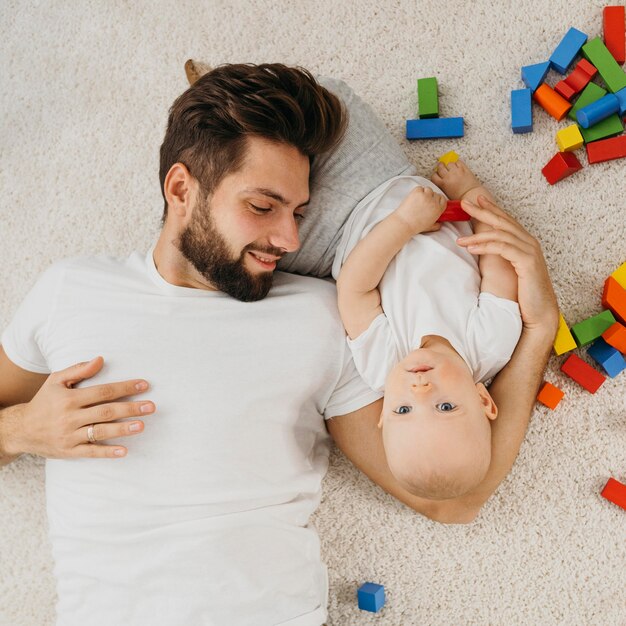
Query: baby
point(428, 324)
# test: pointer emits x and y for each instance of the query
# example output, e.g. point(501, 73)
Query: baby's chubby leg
point(458, 182)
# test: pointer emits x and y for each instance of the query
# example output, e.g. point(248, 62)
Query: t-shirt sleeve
point(24, 339)
point(375, 352)
point(351, 393)
point(493, 331)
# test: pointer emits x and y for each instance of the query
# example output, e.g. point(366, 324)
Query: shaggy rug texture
point(84, 92)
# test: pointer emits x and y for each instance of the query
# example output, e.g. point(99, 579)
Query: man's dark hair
point(209, 124)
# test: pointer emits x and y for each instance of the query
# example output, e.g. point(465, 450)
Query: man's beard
point(207, 250)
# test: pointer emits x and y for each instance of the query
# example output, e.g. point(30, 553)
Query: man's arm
point(514, 389)
point(358, 298)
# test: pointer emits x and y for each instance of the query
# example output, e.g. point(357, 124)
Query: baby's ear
point(195, 69)
point(491, 410)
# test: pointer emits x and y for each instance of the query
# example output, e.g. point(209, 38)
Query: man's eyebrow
point(273, 194)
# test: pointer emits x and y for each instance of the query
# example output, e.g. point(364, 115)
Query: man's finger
point(78, 372)
point(495, 235)
point(98, 451)
point(512, 253)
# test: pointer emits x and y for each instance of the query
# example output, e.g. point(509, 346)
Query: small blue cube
point(608, 357)
point(371, 597)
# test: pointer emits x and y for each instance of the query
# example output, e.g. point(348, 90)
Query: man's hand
point(55, 423)
point(507, 238)
point(421, 209)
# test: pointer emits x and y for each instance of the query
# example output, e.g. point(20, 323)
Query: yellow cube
point(564, 342)
point(448, 157)
point(569, 139)
point(620, 275)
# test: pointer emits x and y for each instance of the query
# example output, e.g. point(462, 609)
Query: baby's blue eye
point(399, 410)
point(444, 407)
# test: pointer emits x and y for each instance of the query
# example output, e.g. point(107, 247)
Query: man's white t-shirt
point(431, 287)
point(205, 521)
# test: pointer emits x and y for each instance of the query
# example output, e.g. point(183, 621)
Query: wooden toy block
point(534, 75)
point(615, 492)
point(598, 110)
point(614, 37)
point(620, 275)
point(521, 111)
point(616, 337)
point(606, 149)
point(454, 213)
point(550, 395)
point(583, 374)
point(612, 74)
point(449, 157)
point(371, 597)
point(590, 329)
point(548, 99)
point(608, 357)
point(569, 139)
point(560, 166)
point(577, 80)
point(427, 97)
point(606, 128)
point(614, 298)
point(591, 93)
point(436, 128)
point(564, 342)
point(565, 52)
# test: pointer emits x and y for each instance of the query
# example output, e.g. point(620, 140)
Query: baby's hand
point(421, 209)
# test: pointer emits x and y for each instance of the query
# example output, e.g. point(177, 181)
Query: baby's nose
point(417, 389)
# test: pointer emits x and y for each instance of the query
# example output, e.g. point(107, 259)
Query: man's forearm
point(8, 418)
point(369, 259)
point(514, 391)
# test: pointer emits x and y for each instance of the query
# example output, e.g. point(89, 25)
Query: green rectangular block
point(427, 97)
point(598, 54)
point(608, 127)
point(590, 329)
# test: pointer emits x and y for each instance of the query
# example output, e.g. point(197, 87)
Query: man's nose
point(285, 234)
point(421, 388)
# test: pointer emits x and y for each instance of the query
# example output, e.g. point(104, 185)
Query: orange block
point(615, 492)
point(616, 336)
point(550, 395)
point(555, 105)
point(614, 298)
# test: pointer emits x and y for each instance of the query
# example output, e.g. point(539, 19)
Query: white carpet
point(85, 88)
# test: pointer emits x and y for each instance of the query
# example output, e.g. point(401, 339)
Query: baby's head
point(436, 423)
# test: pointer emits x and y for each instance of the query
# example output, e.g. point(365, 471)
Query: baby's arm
point(360, 275)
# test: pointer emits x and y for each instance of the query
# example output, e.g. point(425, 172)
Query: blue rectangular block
point(438, 128)
point(608, 357)
point(569, 47)
point(521, 111)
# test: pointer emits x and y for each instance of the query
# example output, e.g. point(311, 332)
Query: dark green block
point(590, 329)
point(428, 97)
point(608, 127)
point(612, 74)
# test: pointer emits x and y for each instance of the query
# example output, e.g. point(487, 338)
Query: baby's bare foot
point(456, 180)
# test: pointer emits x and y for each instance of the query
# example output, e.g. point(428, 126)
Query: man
point(204, 520)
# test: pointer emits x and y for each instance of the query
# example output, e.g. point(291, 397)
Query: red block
point(560, 166)
point(582, 373)
point(614, 32)
point(607, 149)
point(453, 213)
point(614, 298)
point(577, 80)
point(615, 492)
point(616, 337)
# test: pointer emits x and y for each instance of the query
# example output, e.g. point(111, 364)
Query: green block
point(608, 127)
point(590, 329)
point(591, 93)
point(597, 53)
point(427, 97)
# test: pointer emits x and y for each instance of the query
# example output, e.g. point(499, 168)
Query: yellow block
point(569, 139)
point(564, 341)
point(449, 157)
point(620, 275)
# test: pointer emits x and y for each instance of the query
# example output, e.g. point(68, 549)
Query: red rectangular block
point(582, 373)
point(616, 337)
point(615, 32)
point(560, 166)
point(614, 298)
point(453, 213)
point(607, 149)
point(577, 80)
point(615, 492)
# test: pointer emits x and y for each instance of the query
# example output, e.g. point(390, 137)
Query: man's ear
point(180, 188)
point(491, 410)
